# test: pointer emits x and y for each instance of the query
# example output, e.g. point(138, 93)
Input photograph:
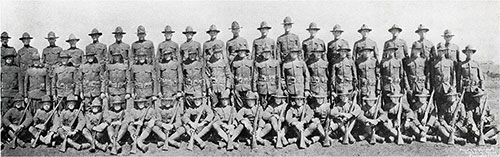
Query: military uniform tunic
point(243, 74)
point(76, 55)
point(296, 76)
point(368, 73)
point(225, 114)
point(333, 49)
point(267, 76)
point(310, 44)
point(220, 75)
point(191, 46)
point(91, 76)
point(9, 50)
point(164, 116)
point(343, 75)
point(171, 77)
point(258, 47)
point(318, 69)
point(190, 115)
point(121, 48)
point(144, 46)
point(443, 73)
point(12, 81)
point(234, 44)
point(110, 116)
point(453, 51)
point(50, 57)
point(100, 50)
point(26, 56)
point(362, 43)
point(116, 77)
point(93, 119)
point(401, 52)
point(194, 77)
point(41, 116)
point(14, 116)
point(429, 51)
point(393, 75)
point(169, 44)
point(143, 80)
point(418, 73)
point(66, 117)
point(471, 76)
point(36, 83)
point(273, 111)
point(208, 48)
point(285, 43)
point(303, 113)
point(65, 81)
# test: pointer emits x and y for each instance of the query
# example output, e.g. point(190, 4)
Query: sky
point(476, 23)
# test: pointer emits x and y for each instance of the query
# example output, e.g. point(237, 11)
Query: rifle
point(193, 131)
point(481, 123)
point(176, 109)
point(451, 139)
point(427, 108)
point(302, 143)
point(399, 119)
point(138, 130)
point(350, 124)
point(37, 136)
point(255, 125)
point(63, 144)
point(327, 123)
point(281, 132)
point(375, 116)
point(13, 142)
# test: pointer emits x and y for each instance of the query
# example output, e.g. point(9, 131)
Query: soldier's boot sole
point(202, 144)
point(133, 150)
point(460, 141)
point(492, 141)
point(160, 144)
point(143, 147)
point(174, 143)
point(103, 147)
point(85, 146)
point(284, 141)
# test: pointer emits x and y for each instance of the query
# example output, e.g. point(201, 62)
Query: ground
point(357, 149)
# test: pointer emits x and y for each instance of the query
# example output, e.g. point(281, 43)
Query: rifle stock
point(350, 124)
point(193, 132)
point(451, 139)
point(481, 123)
point(399, 119)
point(63, 145)
point(37, 136)
point(13, 142)
point(375, 116)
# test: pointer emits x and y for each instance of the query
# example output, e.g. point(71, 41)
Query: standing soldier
point(235, 43)
point(16, 122)
point(99, 49)
point(274, 116)
point(343, 75)
point(195, 76)
point(65, 82)
point(443, 76)
point(91, 75)
point(115, 77)
point(168, 125)
point(418, 73)
point(364, 42)
point(296, 75)
point(120, 47)
point(453, 52)
point(50, 54)
point(267, 77)
point(74, 53)
point(117, 126)
point(12, 80)
point(143, 79)
point(243, 69)
point(402, 51)
point(392, 74)
point(197, 120)
point(142, 119)
point(36, 83)
point(209, 44)
point(43, 124)
point(287, 41)
point(190, 45)
point(368, 74)
point(312, 43)
point(66, 121)
point(221, 78)
point(427, 47)
point(95, 126)
point(334, 45)
point(169, 75)
point(26, 53)
point(168, 44)
point(471, 77)
point(6, 49)
point(143, 46)
point(297, 117)
point(263, 42)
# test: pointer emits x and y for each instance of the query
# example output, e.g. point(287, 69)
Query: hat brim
point(338, 30)
point(25, 38)
point(348, 49)
point(399, 29)
point(91, 34)
point(7, 37)
point(287, 23)
point(312, 28)
point(167, 31)
point(118, 33)
point(368, 29)
point(192, 32)
point(232, 28)
point(213, 31)
point(72, 40)
point(9, 55)
point(473, 51)
point(51, 37)
point(447, 35)
point(423, 29)
point(267, 27)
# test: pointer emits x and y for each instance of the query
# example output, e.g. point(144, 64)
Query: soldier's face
point(71, 105)
point(421, 34)
point(251, 103)
point(293, 55)
point(52, 41)
point(167, 56)
point(72, 43)
point(390, 53)
point(142, 59)
point(189, 36)
point(198, 102)
point(141, 36)
point(168, 36)
point(337, 34)
point(364, 53)
point(266, 55)
point(264, 31)
point(422, 100)
point(90, 59)
point(394, 32)
point(448, 38)
point(96, 109)
point(369, 103)
point(317, 55)
point(116, 58)
point(320, 100)
point(394, 100)
point(364, 33)
point(8, 60)
point(5, 41)
point(141, 105)
point(212, 34)
point(192, 56)
point(225, 102)
point(26, 41)
point(95, 37)
point(36, 62)
point(287, 27)
point(299, 102)
point(117, 107)
point(64, 60)
point(468, 53)
point(343, 53)
point(344, 98)
point(313, 32)
point(118, 37)
point(278, 100)
point(18, 104)
point(46, 106)
point(235, 31)
point(218, 55)
point(242, 54)
point(441, 53)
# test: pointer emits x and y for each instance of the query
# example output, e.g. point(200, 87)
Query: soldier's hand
point(154, 97)
point(178, 94)
point(26, 100)
point(167, 126)
point(103, 95)
point(307, 94)
point(151, 124)
point(372, 122)
point(137, 123)
point(40, 126)
point(127, 96)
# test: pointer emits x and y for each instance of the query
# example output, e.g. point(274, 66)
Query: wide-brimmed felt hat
point(364, 27)
point(337, 28)
point(313, 26)
point(212, 28)
point(264, 25)
point(396, 27)
point(95, 32)
point(25, 35)
point(421, 27)
point(168, 29)
point(118, 30)
point(51, 35)
point(72, 37)
point(287, 21)
point(235, 25)
point(189, 29)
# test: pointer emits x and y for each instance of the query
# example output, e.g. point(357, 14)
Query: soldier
point(198, 120)
point(65, 81)
point(74, 53)
point(224, 123)
point(50, 54)
point(43, 123)
point(190, 45)
point(168, 125)
point(318, 69)
point(471, 77)
point(221, 78)
point(322, 109)
point(443, 76)
point(99, 49)
point(235, 43)
point(143, 80)
point(243, 69)
point(334, 45)
point(95, 126)
point(247, 117)
point(481, 120)
point(364, 42)
point(195, 76)
point(402, 51)
point(296, 75)
point(344, 115)
point(313, 44)
point(287, 41)
point(209, 44)
point(263, 42)
point(392, 74)
point(267, 76)
point(274, 116)
point(297, 116)
point(6, 49)
point(115, 77)
point(453, 52)
point(168, 44)
point(343, 74)
point(36, 83)
point(368, 73)
point(16, 122)
point(117, 126)
point(12, 80)
point(141, 120)
point(120, 47)
point(26, 53)
point(418, 74)
point(425, 117)
point(143, 46)
point(394, 123)
point(452, 119)
point(91, 74)
point(169, 74)
point(65, 122)
point(427, 47)
point(371, 119)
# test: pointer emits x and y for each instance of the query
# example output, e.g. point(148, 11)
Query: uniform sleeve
point(405, 50)
point(155, 77)
point(229, 76)
point(308, 115)
point(6, 117)
point(185, 117)
point(255, 77)
point(88, 123)
point(28, 119)
point(289, 118)
point(307, 77)
point(81, 121)
point(180, 77)
point(209, 114)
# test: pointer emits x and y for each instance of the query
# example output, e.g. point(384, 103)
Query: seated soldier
point(41, 123)
point(297, 116)
point(197, 120)
point(373, 116)
point(168, 123)
point(140, 118)
point(451, 120)
point(246, 117)
point(481, 113)
point(17, 120)
point(274, 114)
point(224, 123)
point(425, 117)
point(95, 126)
point(322, 110)
point(344, 116)
point(117, 126)
point(65, 122)
point(393, 124)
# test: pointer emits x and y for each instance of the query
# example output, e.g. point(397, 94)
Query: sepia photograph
point(250, 78)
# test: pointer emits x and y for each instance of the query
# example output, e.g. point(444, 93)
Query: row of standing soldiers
point(277, 91)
